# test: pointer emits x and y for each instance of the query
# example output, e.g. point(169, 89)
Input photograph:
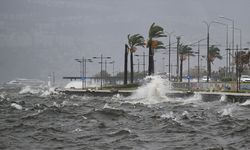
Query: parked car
point(204, 79)
point(245, 78)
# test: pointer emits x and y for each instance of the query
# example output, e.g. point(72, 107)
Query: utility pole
point(177, 58)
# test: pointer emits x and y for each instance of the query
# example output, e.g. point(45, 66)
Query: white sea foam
point(2, 96)
point(228, 111)
point(156, 87)
point(169, 115)
point(196, 99)
point(56, 104)
point(28, 89)
point(223, 98)
point(153, 92)
point(16, 106)
point(246, 103)
point(49, 91)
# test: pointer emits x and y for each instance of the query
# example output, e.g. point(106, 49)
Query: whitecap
point(16, 106)
point(77, 130)
point(223, 98)
point(228, 110)
point(246, 103)
point(28, 89)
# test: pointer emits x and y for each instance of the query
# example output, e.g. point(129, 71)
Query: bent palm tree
point(134, 41)
point(184, 52)
point(155, 31)
point(213, 53)
point(126, 65)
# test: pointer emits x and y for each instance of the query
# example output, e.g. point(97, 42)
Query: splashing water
point(153, 92)
point(28, 89)
point(246, 103)
point(223, 98)
point(228, 111)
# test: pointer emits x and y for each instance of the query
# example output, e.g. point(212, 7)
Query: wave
point(246, 103)
point(125, 131)
point(29, 90)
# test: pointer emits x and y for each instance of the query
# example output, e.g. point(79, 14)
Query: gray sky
point(42, 36)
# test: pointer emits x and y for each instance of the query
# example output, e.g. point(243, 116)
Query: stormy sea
point(35, 116)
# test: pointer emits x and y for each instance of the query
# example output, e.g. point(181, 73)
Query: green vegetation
point(134, 41)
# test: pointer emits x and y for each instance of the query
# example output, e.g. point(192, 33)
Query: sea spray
point(246, 103)
point(154, 91)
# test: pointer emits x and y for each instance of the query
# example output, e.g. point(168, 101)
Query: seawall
point(206, 96)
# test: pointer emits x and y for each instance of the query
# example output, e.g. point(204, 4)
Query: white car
point(204, 79)
point(245, 78)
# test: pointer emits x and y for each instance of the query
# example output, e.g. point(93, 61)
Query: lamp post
point(177, 57)
point(83, 65)
point(198, 53)
point(144, 56)
point(229, 19)
point(208, 64)
point(101, 57)
point(169, 52)
point(227, 52)
point(81, 61)
point(240, 37)
point(85, 71)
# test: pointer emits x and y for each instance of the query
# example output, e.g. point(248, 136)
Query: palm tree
point(126, 65)
point(184, 52)
point(155, 31)
point(213, 53)
point(134, 41)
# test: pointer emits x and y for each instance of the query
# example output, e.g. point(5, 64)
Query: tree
point(134, 41)
point(184, 52)
point(126, 65)
point(242, 62)
point(155, 32)
point(213, 53)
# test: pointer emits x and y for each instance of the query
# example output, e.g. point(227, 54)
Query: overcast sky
point(38, 37)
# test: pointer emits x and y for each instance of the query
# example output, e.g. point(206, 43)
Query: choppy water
point(36, 118)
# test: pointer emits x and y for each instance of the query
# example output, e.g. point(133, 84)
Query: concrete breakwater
point(206, 96)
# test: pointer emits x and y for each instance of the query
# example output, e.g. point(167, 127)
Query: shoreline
point(206, 96)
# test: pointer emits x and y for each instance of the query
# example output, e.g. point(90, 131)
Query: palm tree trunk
point(150, 61)
point(181, 67)
point(126, 65)
point(131, 68)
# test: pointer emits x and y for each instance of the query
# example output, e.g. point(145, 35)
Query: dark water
point(58, 121)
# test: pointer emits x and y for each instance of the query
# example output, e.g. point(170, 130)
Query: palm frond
point(156, 31)
point(134, 41)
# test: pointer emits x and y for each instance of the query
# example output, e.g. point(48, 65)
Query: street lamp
point(144, 56)
point(227, 54)
point(208, 64)
point(198, 53)
point(83, 62)
point(101, 57)
point(169, 51)
point(229, 19)
point(240, 36)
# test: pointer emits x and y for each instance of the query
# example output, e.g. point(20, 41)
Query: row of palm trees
point(153, 43)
